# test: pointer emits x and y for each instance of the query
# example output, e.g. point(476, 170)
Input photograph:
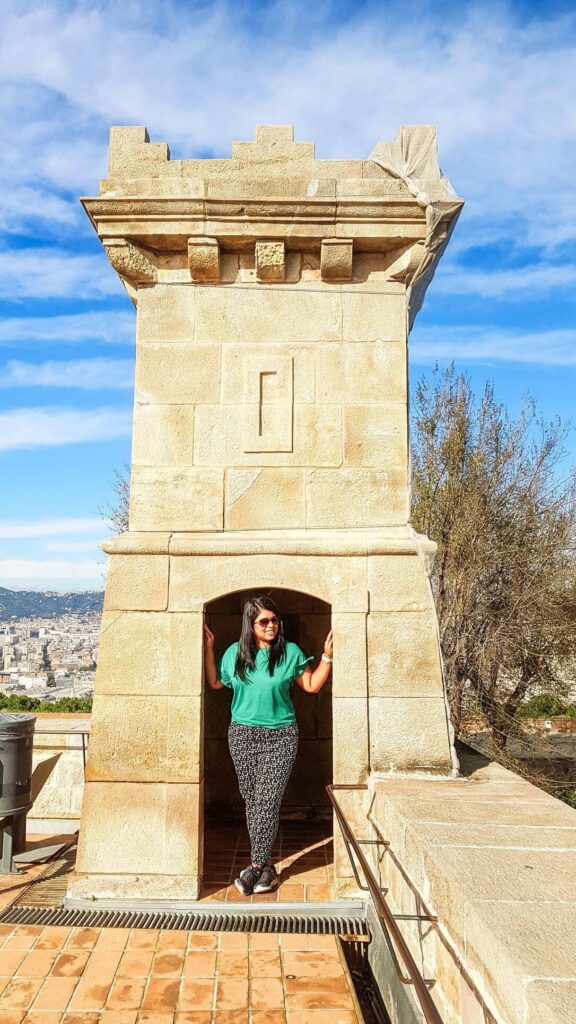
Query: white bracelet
point(327, 660)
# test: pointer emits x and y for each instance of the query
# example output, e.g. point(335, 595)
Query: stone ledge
point(137, 544)
point(140, 886)
point(400, 540)
point(495, 858)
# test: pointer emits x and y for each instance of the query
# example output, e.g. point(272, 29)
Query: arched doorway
point(306, 815)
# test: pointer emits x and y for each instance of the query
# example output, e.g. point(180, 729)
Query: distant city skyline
point(498, 80)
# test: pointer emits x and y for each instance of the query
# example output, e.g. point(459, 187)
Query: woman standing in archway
point(260, 669)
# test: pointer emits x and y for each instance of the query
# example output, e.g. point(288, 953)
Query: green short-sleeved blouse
point(263, 699)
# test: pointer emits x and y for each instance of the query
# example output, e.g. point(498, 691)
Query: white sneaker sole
point(263, 888)
point(240, 888)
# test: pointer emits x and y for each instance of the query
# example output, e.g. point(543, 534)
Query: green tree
point(491, 491)
point(21, 702)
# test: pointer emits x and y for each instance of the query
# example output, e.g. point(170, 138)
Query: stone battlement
point(272, 213)
point(273, 157)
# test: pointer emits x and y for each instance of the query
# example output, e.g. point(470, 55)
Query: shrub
point(541, 705)
point(22, 702)
point(545, 705)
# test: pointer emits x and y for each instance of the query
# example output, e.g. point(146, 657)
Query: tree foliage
point(490, 490)
point(22, 702)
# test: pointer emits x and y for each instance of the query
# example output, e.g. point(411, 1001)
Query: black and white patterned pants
point(263, 759)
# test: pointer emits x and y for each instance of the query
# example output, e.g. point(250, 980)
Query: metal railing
point(395, 941)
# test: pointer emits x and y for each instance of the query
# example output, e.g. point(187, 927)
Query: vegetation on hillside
point(15, 702)
point(36, 604)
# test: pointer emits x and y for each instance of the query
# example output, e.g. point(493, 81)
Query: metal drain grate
point(314, 924)
point(49, 888)
point(41, 903)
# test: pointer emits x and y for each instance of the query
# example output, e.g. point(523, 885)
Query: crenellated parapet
point(273, 213)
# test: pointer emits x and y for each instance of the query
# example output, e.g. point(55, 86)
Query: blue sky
point(498, 80)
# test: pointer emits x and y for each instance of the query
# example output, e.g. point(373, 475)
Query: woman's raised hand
point(208, 639)
point(329, 645)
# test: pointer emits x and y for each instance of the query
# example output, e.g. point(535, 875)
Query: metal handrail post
point(391, 930)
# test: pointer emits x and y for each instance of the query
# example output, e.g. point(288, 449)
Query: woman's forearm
point(320, 675)
point(210, 669)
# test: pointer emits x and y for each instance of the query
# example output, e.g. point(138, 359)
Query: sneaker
point(268, 879)
point(247, 880)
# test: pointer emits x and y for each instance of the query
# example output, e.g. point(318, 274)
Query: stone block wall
point(158, 739)
point(276, 409)
point(57, 774)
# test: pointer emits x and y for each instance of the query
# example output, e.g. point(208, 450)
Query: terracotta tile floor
point(123, 976)
point(58, 975)
point(303, 856)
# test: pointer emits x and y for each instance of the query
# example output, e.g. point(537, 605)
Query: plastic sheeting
point(412, 157)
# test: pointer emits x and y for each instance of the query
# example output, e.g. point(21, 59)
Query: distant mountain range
point(48, 604)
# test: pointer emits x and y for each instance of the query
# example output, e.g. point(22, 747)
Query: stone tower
point(274, 295)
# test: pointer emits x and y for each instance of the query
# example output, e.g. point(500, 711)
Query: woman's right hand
point(208, 639)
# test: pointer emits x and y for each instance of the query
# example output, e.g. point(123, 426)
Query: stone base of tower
point(139, 840)
point(141, 833)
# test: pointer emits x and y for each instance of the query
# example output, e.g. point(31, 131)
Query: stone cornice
point(399, 540)
point(140, 216)
point(305, 207)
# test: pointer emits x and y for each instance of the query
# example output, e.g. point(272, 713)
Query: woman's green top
point(263, 699)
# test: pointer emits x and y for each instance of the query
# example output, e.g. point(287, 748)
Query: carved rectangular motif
point(268, 403)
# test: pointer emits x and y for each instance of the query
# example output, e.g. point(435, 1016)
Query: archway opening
point(304, 844)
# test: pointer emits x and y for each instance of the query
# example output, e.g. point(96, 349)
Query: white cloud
point(57, 574)
point(499, 84)
point(107, 326)
point(49, 527)
point(54, 274)
point(40, 427)
point(74, 546)
point(493, 344)
point(517, 284)
point(24, 204)
point(86, 374)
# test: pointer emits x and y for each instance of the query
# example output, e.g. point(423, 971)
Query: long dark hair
point(247, 647)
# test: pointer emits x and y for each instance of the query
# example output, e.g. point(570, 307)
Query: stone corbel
point(204, 259)
point(270, 261)
point(336, 259)
point(129, 261)
point(404, 268)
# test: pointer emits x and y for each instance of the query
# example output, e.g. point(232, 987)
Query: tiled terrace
point(120, 976)
point(55, 975)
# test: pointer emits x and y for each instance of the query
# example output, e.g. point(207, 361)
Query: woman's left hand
point(329, 645)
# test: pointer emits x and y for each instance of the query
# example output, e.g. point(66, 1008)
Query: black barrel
point(16, 741)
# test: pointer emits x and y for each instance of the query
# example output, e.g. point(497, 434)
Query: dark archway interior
point(306, 622)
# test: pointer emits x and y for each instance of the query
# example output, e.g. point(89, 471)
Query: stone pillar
point(270, 449)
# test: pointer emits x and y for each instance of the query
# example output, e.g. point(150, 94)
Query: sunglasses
point(266, 622)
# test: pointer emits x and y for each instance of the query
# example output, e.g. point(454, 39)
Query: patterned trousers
point(263, 759)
